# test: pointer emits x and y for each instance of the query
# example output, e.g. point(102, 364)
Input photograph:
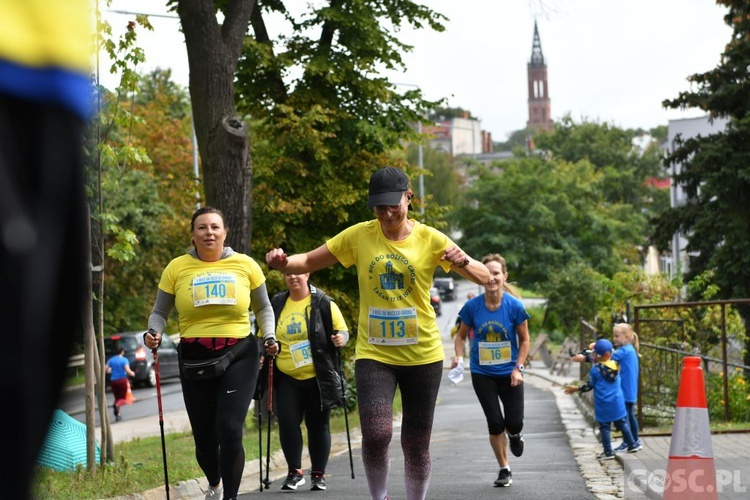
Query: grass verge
point(138, 464)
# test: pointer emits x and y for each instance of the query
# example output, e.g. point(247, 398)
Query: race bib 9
point(301, 355)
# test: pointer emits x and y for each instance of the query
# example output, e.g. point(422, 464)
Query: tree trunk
point(213, 51)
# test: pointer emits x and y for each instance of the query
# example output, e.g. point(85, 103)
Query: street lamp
point(196, 171)
point(420, 159)
point(420, 153)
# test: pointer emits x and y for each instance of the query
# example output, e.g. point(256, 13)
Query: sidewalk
point(644, 472)
point(631, 476)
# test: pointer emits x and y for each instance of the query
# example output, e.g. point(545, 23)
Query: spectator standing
point(627, 356)
point(609, 403)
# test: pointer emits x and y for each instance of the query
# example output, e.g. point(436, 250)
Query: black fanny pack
point(199, 369)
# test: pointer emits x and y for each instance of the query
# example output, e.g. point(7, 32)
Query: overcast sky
point(607, 60)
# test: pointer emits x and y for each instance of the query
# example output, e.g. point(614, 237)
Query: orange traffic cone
point(129, 398)
point(690, 470)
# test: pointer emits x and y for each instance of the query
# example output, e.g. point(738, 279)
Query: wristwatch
point(464, 263)
point(520, 368)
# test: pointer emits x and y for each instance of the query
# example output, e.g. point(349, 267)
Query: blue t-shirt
point(609, 404)
point(494, 350)
point(628, 361)
point(118, 364)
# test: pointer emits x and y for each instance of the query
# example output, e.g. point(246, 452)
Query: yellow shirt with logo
point(295, 358)
point(396, 320)
point(212, 298)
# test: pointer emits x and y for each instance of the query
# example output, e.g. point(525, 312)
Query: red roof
point(657, 183)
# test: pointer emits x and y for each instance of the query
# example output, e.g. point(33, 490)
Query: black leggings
point(297, 399)
point(490, 391)
point(376, 386)
point(217, 409)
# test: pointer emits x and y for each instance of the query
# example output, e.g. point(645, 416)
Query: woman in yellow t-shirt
point(213, 288)
point(307, 378)
point(398, 341)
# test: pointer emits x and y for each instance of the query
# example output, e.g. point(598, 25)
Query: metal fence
point(661, 361)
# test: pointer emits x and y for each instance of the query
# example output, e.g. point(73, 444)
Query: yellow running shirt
point(212, 298)
point(295, 357)
point(396, 320)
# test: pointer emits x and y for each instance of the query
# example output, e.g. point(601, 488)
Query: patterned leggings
point(376, 386)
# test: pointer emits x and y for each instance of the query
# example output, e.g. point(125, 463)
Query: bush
point(739, 398)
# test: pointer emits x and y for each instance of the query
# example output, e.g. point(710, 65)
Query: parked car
point(447, 288)
point(435, 300)
point(142, 359)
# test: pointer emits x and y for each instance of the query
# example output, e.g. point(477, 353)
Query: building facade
point(677, 261)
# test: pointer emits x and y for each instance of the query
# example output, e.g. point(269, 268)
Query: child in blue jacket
point(609, 403)
point(627, 356)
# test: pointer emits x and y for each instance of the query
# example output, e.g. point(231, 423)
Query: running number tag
point(301, 355)
point(494, 353)
point(215, 289)
point(392, 326)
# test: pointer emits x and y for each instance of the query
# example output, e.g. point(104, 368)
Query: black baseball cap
point(387, 186)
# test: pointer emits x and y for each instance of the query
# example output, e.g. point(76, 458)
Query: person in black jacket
point(307, 376)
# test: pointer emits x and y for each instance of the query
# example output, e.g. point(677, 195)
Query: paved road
point(463, 463)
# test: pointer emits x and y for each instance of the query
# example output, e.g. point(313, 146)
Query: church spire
point(539, 102)
point(537, 58)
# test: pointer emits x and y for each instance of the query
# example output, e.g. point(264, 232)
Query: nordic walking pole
point(260, 447)
point(161, 420)
point(260, 440)
point(346, 417)
point(269, 413)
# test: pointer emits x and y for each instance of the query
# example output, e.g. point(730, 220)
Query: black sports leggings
point(376, 386)
point(490, 391)
point(296, 399)
point(217, 409)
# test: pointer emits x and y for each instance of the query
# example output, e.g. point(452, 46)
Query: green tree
point(443, 180)
point(153, 199)
point(109, 154)
point(578, 292)
point(322, 121)
point(611, 150)
point(335, 48)
point(214, 37)
point(543, 215)
point(715, 172)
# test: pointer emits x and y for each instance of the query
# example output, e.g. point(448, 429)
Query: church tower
point(539, 104)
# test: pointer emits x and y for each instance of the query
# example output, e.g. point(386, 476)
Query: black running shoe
point(318, 483)
point(293, 480)
point(516, 444)
point(504, 478)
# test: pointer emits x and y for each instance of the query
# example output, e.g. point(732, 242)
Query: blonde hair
point(496, 257)
point(627, 331)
